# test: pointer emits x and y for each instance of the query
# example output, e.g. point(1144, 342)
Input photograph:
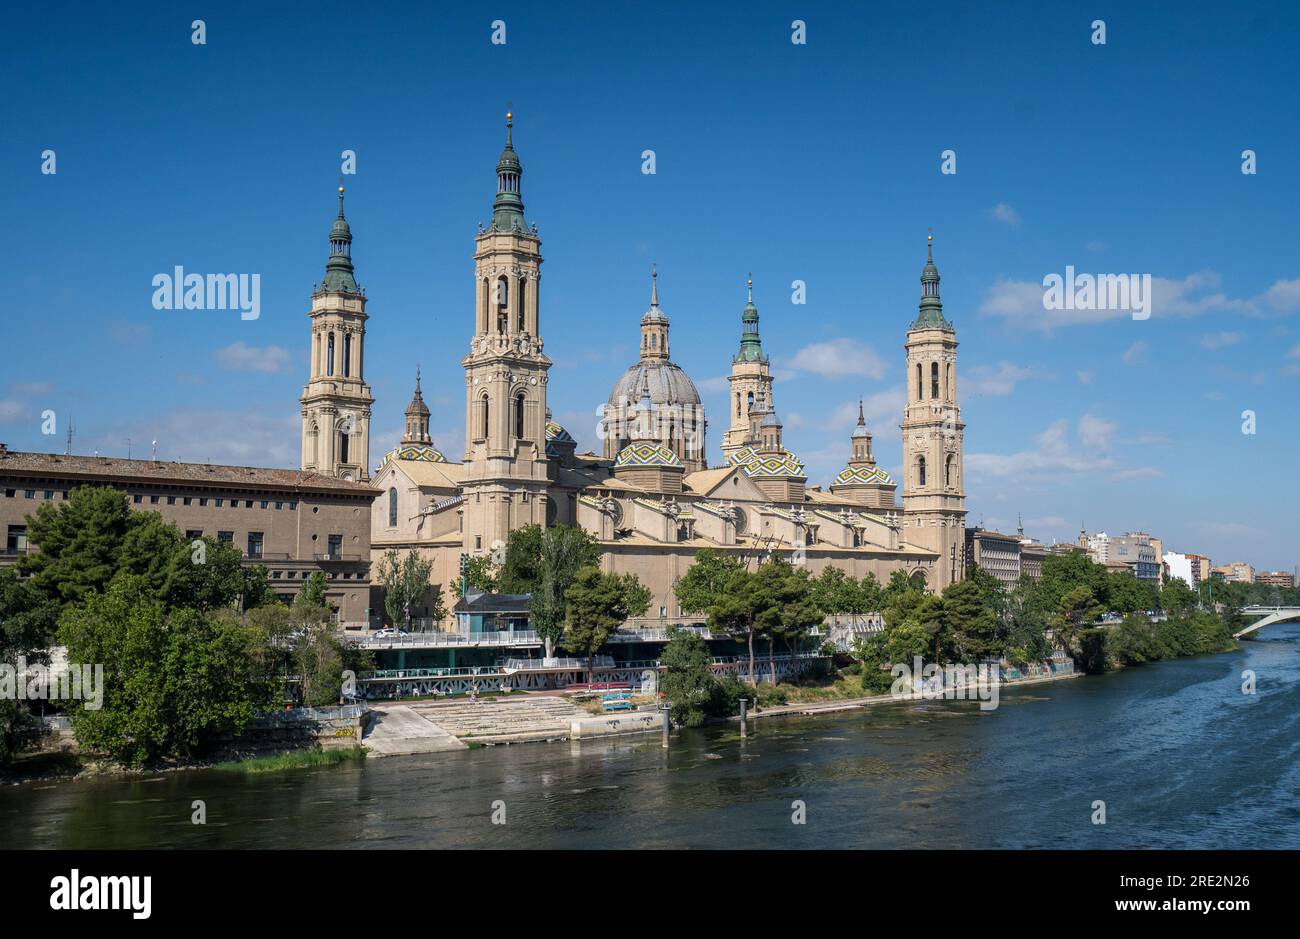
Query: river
point(1180, 756)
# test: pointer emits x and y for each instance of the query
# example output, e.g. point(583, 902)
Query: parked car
point(388, 632)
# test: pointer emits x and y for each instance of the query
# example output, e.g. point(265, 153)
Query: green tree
point(405, 580)
point(521, 569)
point(312, 595)
point(688, 681)
point(175, 683)
point(480, 576)
point(27, 618)
point(564, 550)
point(596, 604)
point(80, 540)
point(1176, 598)
point(970, 618)
point(790, 609)
point(1075, 612)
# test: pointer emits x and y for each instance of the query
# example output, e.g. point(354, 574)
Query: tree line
point(194, 644)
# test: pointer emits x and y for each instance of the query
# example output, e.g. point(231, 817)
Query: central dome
point(668, 385)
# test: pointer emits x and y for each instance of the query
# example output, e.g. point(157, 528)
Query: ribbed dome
point(668, 385)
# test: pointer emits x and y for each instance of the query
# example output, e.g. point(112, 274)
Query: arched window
point(347, 355)
point(343, 446)
point(948, 467)
point(313, 441)
point(503, 303)
point(749, 402)
point(486, 423)
point(738, 404)
point(392, 508)
point(523, 294)
point(947, 385)
point(920, 471)
point(329, 367)
point(519, 416)
point(920, 383)
point(934, 379)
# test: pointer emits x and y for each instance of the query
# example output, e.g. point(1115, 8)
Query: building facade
point(652, 499)
point(292, 522)
point(1276, 578)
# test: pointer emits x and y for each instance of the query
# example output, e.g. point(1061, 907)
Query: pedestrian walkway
point(397, 730)
point(503, 720)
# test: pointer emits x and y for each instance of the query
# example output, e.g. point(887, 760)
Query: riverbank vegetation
point(294, 759)
point(193, 644)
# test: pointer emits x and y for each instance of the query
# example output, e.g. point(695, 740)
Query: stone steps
point(491, 717)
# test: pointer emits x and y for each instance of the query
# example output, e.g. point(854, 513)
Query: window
point(193, 534)
point(171, 500)
point(279, 505)
point(30, 493)
point(254, 544)
point(485, 424)
point(49, 494)
point(137, 499)
point(347, 355)
point(335, 547)
point(265, 503)
point(392, 508)
point(9, 493)
point(934, 379)
point(203, 501)
point(226, 537)
point(188, 500)
point(329, 361)
point(153, 500)
point(293, 506)
point(920, 386)
point(248, 503)
point(220, 503)
point(523, 292)
point(478, 542)
point(343, 446)
point(519, 416)
point(17, 540)
point(949, 467)
point(920, 470)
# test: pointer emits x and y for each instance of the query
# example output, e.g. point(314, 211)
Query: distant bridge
point(1268, 616)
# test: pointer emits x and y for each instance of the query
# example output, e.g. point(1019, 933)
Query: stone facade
point(294, 523)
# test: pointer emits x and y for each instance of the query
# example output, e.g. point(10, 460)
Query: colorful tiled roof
point(647, 454)
point(758, 465)
point(863, 475)
point(417, 453)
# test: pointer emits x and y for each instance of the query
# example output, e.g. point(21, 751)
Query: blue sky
point(817, 162)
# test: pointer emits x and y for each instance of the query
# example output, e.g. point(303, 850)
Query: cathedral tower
point(750, 380)
point(505, 481)
point(336, 401)
point(934, 500)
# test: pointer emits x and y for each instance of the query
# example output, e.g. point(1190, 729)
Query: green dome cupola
point(508, 208)
point(931, 309)
point(339, 276)
point(751, 347)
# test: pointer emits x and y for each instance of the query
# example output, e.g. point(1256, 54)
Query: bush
point(875, 681)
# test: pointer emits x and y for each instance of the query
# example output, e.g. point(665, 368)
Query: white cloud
point(1005, 214)
point(1095, 433)
point(1085, 378)
point(10, 411)
point(996, 380)
point(27, 388)
point(714, 384)
point(1219, 340)
point(839, 358)
point(882, 409)
point(1020, 303)
point(1136, 354)
point(245, 358)
point(200, 435)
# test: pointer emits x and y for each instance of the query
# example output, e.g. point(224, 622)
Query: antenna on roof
point(128, 448)
point(67, 450)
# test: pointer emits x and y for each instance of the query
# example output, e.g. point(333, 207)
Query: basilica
point(655, 494)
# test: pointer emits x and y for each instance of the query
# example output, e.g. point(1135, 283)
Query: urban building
point(293, 522)
point(1136, 551)
point(1235, 572)
point(996, 553)
point(1276, 578)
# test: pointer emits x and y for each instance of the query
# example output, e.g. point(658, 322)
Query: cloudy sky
point(818, 162)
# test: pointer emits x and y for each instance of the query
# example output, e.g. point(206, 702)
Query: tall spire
point(931, 308)
point(339, 277)
point(751, 347)
point(654, 324)
point(417, 417)
point(508, 208)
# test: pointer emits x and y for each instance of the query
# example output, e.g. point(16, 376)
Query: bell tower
point(934, 498)
point(336, 402)
point(505, 482)
point(750, 380)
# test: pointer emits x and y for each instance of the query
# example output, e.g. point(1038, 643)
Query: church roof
point(757, 465)
point(647, 454)
point(339, 275)
point(862, 475)
point(669, 385)
point(414, 453)
point(557, 433)
point(931, 309)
